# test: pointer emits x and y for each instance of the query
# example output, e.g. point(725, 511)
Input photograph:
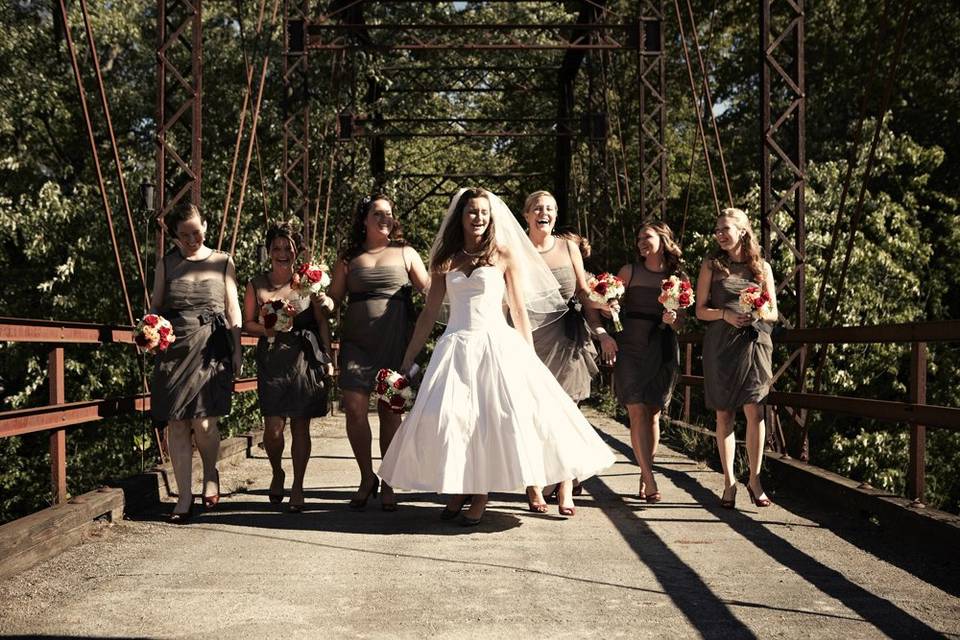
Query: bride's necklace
point(471, 255)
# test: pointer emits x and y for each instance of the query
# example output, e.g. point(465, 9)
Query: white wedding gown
point(489, 416)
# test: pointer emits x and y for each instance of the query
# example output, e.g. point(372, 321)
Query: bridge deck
point(620, 568)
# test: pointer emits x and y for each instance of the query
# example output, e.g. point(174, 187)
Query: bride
point(489, 415)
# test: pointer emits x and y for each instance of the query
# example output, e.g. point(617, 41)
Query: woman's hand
point(608, 349)
point(237, 363)
point(669, 317)
point(322, 300)
point(738, 320)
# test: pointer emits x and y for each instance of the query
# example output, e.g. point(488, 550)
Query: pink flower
point(151, 320)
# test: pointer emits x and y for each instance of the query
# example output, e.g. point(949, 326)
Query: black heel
point(358, 504)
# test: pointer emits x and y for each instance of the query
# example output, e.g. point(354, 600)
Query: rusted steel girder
point(489, 37)
point(783, 174)
point(296, 112)
point(179, 105)
point(652, 112)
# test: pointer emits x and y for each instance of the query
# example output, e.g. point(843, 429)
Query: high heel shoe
point(209, 502)
point(641, 494)
point(729, 503)
point(181, 518)
point(568, 511)
point(653, 498)
point(536, 508)
point(450, 514)
point(277, 498)
point(358, 504)
point(759, 502)
point(389, 507)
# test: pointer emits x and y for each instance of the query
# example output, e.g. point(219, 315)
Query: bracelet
point(600, 331)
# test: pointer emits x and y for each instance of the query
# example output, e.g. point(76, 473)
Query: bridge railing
point(59, 414)
point(914, 414)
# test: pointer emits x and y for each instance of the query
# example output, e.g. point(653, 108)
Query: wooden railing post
point(58, 437)
point(687, 370)
point(917, 473)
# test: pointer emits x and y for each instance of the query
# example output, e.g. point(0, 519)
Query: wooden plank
point(40, 535)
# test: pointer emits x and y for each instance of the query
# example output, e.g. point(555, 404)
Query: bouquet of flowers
point(755, 301)
point(394, 390)
point(153, 333)
point(606, 288)
point(675, 293)
point(277, 315)
point(311, 278)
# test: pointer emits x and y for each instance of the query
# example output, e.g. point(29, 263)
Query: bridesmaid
point(376, 272)
point(195, 288)
point(646, 353)
point(737, 350)
point(292, 372)
point(564, 346)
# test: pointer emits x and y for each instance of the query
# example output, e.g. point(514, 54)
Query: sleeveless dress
point(565, 345)
point(290, 378)
point(736, 362)
point(648, 356)
point(193, 378)
point(489, 416)
point(377, 324)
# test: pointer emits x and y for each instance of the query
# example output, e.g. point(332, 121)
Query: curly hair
point(672, 255)
point(286, 230)
point(720, 260)
point(453, 239)
point(353, 246)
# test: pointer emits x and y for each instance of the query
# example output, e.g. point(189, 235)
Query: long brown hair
point(453, 240)
point(672, 255)
point(358, 228)
point(720, 261)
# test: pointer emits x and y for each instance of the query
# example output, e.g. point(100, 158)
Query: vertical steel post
point(652, 112)
point(917, 476)
point(58, 437)
point(296, 110)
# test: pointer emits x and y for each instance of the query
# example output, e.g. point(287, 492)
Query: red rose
point(685, 285)
point(759, 302)
point(315, 275)
point(397, 403)
point(151, 320)
point(601, 288)
point(401, 384)
point(270, 320)
point(666, 285)
point(162, 345)
point(164, 331)
point(603, 276)
point(277, 304)
point(382, 388)
point(684, 299)
point(382, 374)
point(141, 340)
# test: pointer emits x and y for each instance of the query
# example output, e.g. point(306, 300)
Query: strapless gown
point(489, 416)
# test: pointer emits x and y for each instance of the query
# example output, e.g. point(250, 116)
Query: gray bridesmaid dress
point(377, 324)
point(565, 346)
point(290, 372)
point(193, 378)
point(648, 356)
point(736, 362)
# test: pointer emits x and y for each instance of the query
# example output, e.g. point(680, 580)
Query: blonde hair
point(751, 248)
point(533, 197)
